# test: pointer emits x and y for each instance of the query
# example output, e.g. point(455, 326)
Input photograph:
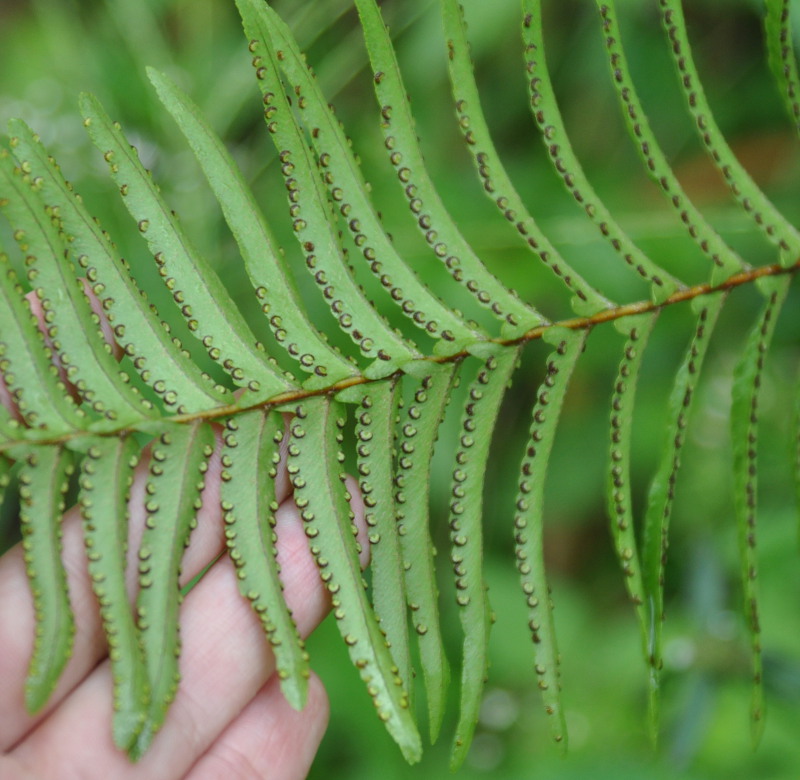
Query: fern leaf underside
point(382, 397)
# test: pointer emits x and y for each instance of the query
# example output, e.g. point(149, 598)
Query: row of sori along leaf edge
point(395, 492)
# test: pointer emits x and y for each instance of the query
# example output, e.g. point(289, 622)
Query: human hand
point(229, 718)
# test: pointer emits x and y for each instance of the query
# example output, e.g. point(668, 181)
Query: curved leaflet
point(478, 421)
point(528, 519)
point(250, 457)
point(376, 411)
point(655, 532)
point(197, 290)
point(137, 329)
point(435, 223)
point(178, 461)
point(744, 436)
point(280, 301)
point(316, 473)
point(419, 429)
point(43, 481)
point(105, 481)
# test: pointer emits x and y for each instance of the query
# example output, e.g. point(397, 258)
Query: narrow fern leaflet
point(315, 469)
point(661, 493)
point(419, 429)
point(138, 331)
point(106, 477)
point(177, 463)
point(43, 479)
point(250, 460)
point(620, 502)
point(466, 535)
point(375, 415)
point(528, 519)
point(744, 435)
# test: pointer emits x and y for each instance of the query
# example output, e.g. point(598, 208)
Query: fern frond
point(315, 469)
point(528, 519)
point(250, 456)
point(44, 478)
point(781, 56)
point(744, 434)
point(195, 287)
point(376, 399)
point(566, 163)
point(178, 460)
point(750, 197)
point(433, 220)
point(106, 478)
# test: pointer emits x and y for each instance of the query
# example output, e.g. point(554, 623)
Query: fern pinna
point(82, 418)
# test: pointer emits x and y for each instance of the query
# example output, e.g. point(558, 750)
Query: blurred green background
point(50, 50)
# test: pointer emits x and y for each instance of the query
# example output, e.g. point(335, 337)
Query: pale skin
point(229, 719)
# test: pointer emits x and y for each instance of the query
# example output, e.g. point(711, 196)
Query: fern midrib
point(575, 323)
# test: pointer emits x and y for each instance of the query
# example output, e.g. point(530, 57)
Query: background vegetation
point(52, 49)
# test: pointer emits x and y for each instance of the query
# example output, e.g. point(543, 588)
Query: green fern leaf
point(178, 459)
point(106, 412)
point(440, 232)
point(744, 433)
point(137, 330)
point(376, 416)
point(106, 477)
point(44, 477)
point(415, 450)
point(250, 456)
point(528, 519)
point(194, 285)
point(466, 512)
point(315, 469)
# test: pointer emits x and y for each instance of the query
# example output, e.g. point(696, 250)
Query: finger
point(269, 740)
point(225, 661)
point(17, 625)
